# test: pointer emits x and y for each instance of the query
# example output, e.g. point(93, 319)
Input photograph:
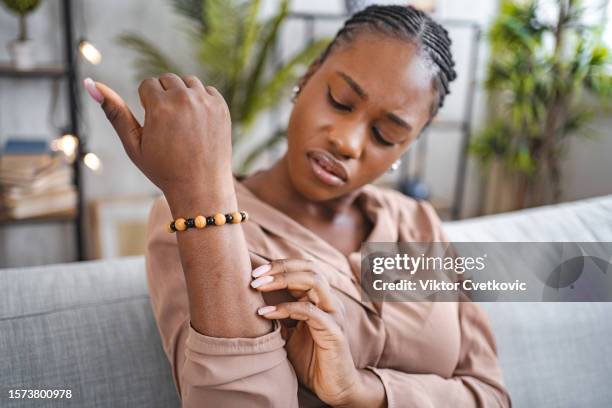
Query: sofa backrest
point(85, 327)
point(552, 354)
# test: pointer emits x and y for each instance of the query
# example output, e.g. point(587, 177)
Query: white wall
point(24, 108)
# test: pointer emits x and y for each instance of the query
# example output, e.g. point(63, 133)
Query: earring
point(396, 164)
point(296, 91)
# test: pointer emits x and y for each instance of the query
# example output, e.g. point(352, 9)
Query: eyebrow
point(399, 121)
point(351, 82)
point(359, 91)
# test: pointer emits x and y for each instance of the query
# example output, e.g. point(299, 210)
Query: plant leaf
point(271, 29)
point(268, 95)
point(150, 61)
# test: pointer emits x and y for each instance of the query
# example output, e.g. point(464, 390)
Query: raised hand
point(185, 141)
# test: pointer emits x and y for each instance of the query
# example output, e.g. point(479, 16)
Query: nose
point(347, 140)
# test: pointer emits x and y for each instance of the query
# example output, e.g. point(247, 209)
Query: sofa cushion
point(579, 221)
point(87, 327)
point(552, 354)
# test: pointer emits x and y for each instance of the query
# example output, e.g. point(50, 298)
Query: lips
point(329, 163)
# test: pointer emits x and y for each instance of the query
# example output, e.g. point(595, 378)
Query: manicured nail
point(260, 270)
point(262, 281)
point(90, 86)
point(266, 309)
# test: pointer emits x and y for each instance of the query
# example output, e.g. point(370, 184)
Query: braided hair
point(411, 24)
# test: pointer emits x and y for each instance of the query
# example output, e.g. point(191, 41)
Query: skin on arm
point(184, 147)
point(216, 264)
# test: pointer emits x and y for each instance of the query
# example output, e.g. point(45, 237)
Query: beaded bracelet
point(199, 222)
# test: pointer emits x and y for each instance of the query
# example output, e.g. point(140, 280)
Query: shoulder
point(417, 220)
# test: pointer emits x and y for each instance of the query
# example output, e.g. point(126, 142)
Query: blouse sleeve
point(219, 372)
point(476, 381)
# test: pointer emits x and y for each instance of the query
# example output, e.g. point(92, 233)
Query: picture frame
point(119, 225)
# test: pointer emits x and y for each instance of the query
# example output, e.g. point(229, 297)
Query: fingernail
point(266, 309)
point(90, 86)
point(260, 270)
point(262, 281)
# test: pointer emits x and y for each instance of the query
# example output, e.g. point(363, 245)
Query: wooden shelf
point(42, 71)
point(65, 67)
point(61, 216)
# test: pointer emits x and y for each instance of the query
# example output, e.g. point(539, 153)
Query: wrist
point(208, 199)
point(369, 391)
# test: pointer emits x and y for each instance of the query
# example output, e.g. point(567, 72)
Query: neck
point(287, 199)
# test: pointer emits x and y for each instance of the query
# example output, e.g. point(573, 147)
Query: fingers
point(171, 81)
point(193, 82)
point(121, 118)
point(284, 265)
point(149, 90)
point(313, 316)
point(300, 278)
point(213, 91)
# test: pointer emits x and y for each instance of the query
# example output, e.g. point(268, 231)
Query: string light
point(66, 144)
point(90, 52)
point(93, 162)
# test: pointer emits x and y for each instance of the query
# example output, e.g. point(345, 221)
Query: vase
point(354, 6)
point(22, 54)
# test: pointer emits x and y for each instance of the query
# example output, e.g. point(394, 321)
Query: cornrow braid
point(411, 24)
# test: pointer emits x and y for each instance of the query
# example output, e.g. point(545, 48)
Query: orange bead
point(169, 227)
point(236, 217)
point(180, 224)
point(219, 219)
point(200, 221)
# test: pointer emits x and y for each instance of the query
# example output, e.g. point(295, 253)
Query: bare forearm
point(217, 267)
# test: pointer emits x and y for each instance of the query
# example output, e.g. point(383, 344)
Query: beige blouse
point(426, 354)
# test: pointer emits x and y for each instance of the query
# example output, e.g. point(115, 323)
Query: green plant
point(545, 81)
point(22, 8)
point(234, 51)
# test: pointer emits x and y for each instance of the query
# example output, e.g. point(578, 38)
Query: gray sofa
point(88, 326)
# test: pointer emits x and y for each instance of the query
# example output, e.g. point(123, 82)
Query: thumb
point(118, 114)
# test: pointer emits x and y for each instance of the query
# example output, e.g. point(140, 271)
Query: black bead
point(243, 215)
point(173, 226)
point(228, 218)
point(210, 220)
point(190, 223)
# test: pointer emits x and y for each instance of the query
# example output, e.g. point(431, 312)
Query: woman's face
point(363, 106)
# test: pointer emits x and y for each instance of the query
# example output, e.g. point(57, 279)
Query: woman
point(293, 332)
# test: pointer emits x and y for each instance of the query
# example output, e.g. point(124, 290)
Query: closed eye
point(336, 104)
point(379, 138)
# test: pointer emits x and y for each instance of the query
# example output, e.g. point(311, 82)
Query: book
point(41, 197)
point(54, 182)
point(24, 146)
point(28, 166)
point(47, 204)
point(35, 180)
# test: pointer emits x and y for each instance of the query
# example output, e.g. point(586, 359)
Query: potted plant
point(234, 51)
point(21, 48)
point(546, 78)
point(354, 6)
